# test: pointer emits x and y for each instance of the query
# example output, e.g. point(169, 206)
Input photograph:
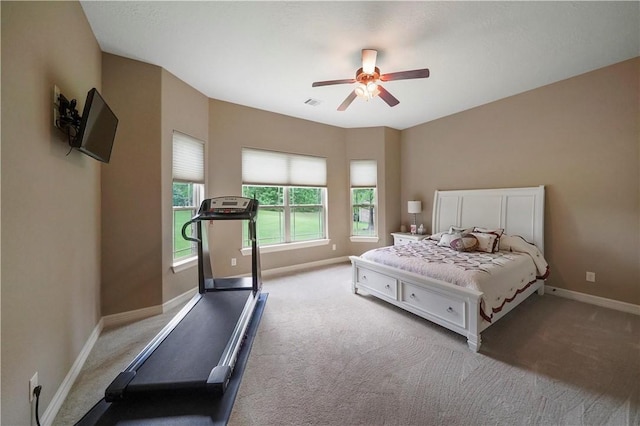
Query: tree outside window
point(364, 203)
point(364, 212)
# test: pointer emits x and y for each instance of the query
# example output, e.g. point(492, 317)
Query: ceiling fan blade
point(345, 104)
point(387, 97)
point(405, 75)
point(330, 82)
point(369, 60)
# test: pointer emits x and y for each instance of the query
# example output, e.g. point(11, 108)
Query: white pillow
point(497, 231)
point(445, 240)
point(460, 230)
point(436, 236)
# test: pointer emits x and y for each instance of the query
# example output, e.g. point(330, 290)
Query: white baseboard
point(594, 300)
point(131, 316)
point(179, 300)
point(140, 314)
point(63, 390)
point(285, 269)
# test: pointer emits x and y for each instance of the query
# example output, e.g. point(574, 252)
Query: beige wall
point(131, 188)
point(51, 203)
point(383, 145)
point(393, 183)
point(137, 228)
point(186, 110)
point(580, 138)
point(232, 127)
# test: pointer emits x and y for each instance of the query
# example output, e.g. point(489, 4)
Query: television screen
point(97, 128)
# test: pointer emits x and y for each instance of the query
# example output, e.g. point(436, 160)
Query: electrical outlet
point(33, 383)
point(334, 247)
point(56, 104)
point(233, 261)
point(591, 277)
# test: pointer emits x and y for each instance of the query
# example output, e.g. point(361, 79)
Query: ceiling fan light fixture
point(367, 91)
point(368, 78)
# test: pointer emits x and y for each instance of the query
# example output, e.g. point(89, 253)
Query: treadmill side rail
point(219, 378)
point(115, 391)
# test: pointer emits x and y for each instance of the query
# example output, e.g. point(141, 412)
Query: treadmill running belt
point(189, 409)
point(185, 358)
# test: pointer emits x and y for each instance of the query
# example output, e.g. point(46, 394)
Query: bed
point(394, 274)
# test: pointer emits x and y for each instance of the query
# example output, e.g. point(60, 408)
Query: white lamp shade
point(414, 207)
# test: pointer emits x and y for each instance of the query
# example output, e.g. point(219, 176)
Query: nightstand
point(401, 238)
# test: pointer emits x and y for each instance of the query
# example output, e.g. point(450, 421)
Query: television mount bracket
point(68, 118)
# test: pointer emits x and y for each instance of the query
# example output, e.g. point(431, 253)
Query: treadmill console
point(230, 207)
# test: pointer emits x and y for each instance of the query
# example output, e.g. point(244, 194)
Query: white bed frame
point(520, 211)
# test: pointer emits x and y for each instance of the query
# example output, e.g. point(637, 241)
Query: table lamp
point(414, 207)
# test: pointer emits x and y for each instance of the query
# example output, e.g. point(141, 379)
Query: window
point(291, 191)
point(364, 202)
point(188, 190)
point(287, 214)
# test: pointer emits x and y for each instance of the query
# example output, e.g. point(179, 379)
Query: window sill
point(284, 247)
point(364, 239)
point(184, 264)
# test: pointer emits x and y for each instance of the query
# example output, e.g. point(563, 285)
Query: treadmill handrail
point(214, 216)
point(184, 228)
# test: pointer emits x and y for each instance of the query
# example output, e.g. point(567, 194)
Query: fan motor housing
point(364, 78)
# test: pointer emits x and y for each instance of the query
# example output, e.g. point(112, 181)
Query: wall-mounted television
point(97, 128)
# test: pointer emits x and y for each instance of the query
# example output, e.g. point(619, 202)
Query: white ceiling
point(265, 55)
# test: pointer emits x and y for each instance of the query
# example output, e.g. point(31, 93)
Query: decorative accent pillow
point(497, 232)
point(466, 242)
point(458, 229)
point(436, 236)
point(445, 240)
point(486, 242)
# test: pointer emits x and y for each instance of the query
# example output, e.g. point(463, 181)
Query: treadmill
point(197, 350)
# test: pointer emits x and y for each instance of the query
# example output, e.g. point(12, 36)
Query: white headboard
point(520, 211)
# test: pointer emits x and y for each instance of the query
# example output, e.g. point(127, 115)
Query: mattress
point(499, 276)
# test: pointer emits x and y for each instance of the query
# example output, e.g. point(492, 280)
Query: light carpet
point(324, 356)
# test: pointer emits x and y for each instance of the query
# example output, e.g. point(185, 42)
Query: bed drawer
point(443, 307)
point(378, 283)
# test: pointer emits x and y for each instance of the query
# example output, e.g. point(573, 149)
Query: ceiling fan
point(368, 78)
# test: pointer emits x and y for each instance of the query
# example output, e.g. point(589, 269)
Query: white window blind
point(364, 173)
point(188, 159)
point(277, 168)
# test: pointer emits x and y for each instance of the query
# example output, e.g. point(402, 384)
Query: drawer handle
point(364, 278)
point(450, 309)
point(413, 295)
point(387, 286)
